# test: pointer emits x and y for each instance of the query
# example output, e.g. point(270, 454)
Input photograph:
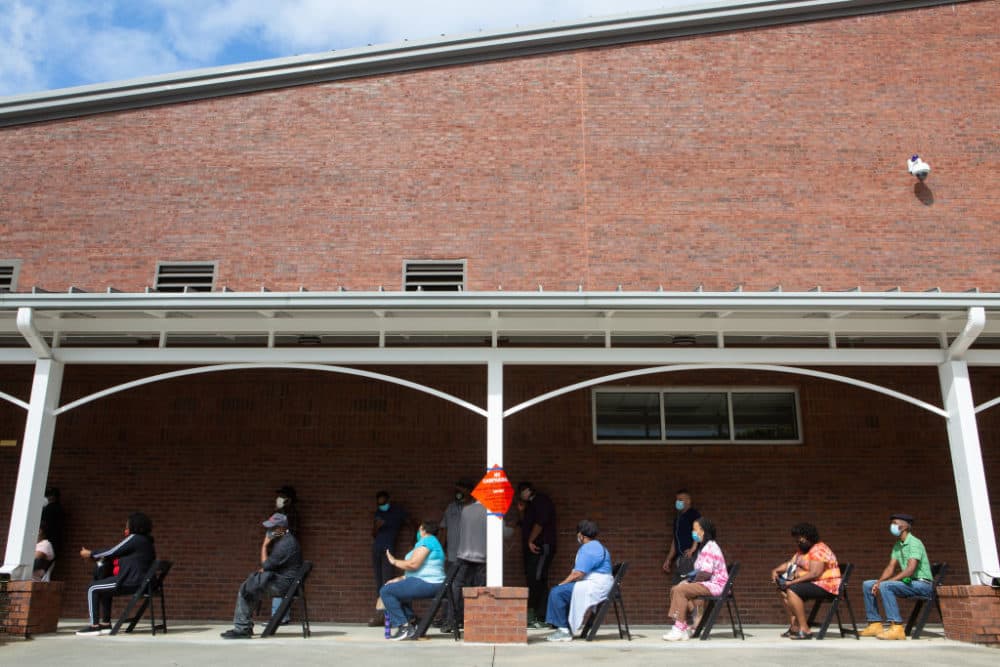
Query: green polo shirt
point(913, 548)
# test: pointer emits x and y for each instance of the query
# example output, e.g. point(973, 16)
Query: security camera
point(918, 167)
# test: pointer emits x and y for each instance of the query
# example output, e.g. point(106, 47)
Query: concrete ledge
point(496, 615)
point(971, 614)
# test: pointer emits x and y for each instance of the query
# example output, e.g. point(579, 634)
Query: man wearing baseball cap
point(273, 576)
point(908, 574)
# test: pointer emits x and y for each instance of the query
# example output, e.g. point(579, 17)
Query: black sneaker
point(237, 634)
point(404, 632)
point(89, 631)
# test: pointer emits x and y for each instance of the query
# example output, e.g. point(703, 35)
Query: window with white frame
point(696, 415)
point(9, 268)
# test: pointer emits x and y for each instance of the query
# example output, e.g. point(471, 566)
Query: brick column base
point(971, 614)
point(32, 607)
point(496, 615)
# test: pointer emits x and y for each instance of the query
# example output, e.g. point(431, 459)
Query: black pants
point(383, 570)
point(536, 572)
point(469, 574)
point(99, 597)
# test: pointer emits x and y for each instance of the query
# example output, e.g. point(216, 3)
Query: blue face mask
point(384, 507)
point(679, 505)
point(895, 529)
point(695, 536)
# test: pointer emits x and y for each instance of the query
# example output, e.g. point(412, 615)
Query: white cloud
point(56, 43)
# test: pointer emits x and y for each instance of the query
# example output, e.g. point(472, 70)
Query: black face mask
point(804, 547)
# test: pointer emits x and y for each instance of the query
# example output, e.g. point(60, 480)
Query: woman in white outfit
point(587, 584)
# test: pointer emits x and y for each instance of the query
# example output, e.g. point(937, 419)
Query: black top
point(683, 525)
point(134, 555)
point(542, 511)
point(284, 560)
point(54, 519)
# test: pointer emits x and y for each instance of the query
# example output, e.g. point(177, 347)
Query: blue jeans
point(397, 597)
point(889, 591)
point(557, 613)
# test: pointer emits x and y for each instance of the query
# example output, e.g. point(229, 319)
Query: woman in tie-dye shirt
point(709, 577)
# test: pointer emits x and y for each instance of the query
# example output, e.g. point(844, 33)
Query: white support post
point(494, 457)
point(33, 471)
point(970, 477)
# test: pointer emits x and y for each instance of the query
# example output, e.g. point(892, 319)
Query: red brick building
point(695, 228)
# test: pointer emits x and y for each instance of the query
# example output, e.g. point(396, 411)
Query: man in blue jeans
point(908, 574)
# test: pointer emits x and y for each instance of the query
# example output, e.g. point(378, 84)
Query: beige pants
point(681, 597)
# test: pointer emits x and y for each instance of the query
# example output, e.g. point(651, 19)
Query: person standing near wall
point(538, 535)
point(680, 558)
point(287, 502)
point(389, 518)
point(450, 533)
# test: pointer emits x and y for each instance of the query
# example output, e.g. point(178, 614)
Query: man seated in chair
point(586, 585)
point(274, 576)
point(913, 579)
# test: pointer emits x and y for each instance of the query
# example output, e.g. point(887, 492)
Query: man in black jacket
point(120, 571)
point(275, 574)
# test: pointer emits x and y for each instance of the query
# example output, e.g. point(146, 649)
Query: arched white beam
point(987, 405)
point(749, 367)
point(235, 367)
point(12, 399)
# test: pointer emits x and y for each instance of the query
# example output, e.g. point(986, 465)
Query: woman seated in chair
point(120, 571)
point(45, 555)
point(587, 584)
point(423, 576)
point(812, 573)
point(709, 577)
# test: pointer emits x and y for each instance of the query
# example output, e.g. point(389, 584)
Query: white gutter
point(26, 325)
point(973, 327)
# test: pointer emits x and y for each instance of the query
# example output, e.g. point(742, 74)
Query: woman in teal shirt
point(423, 576)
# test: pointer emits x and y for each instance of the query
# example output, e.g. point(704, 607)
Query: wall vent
point(425, 275)
point(8, 275)
point(185, 276)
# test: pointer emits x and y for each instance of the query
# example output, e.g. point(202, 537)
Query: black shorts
point(810, 591)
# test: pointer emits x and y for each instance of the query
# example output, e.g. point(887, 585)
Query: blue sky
point(47, 44)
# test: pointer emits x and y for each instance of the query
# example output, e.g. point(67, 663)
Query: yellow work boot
point(894, 631)
point(873, 630)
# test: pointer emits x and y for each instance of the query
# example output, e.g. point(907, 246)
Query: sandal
point(801, 635)
point(789, 632)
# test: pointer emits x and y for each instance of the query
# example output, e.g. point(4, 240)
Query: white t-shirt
point(46, 548)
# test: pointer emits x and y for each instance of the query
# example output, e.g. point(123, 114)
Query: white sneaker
point(560, 635)
point(677, 635)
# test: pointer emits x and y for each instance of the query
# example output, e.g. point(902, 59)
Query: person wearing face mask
point(120, 571)
point(908, 574)
point(389, 518)
point(708, 577)
point(423, 576)
point(286, 502)
point(280, 559)
point(812, 573)
point(587, 584)
point(538, 537)
point(682, 548)
point(450, 531)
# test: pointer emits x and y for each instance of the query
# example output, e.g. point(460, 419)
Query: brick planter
point(32, 608)
point(971, 614)
point(496, 615)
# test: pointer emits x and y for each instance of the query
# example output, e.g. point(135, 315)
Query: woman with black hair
point(708, 577)
point(587, 584)
point(119, 571)
point(812, 573)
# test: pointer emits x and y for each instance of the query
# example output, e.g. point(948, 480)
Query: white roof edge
point(872, 301)
point(702, 17)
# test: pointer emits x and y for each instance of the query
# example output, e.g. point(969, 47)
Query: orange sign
point(494, 491)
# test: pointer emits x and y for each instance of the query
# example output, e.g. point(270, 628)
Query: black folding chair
point(600, 610)
point(296, 591)
point(922, 608)
point(714, 606)
point(835, 602)
point(449, 589)
point(152, 586)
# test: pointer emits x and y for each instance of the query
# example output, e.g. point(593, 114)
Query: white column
point(494, 457)
point(970, 478)
point(33, 471)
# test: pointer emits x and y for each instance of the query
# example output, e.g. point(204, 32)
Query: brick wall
point(202, 455)
point(758, 157)
point(971, 614)
point(31, 607)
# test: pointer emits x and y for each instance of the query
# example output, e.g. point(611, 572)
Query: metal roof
point(694, 19)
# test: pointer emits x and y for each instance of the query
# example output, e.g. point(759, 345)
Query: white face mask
point(280, 502)
point(45, 501)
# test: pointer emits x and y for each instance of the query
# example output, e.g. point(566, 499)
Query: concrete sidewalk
point(198, 643)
